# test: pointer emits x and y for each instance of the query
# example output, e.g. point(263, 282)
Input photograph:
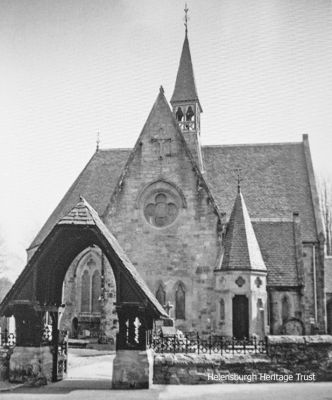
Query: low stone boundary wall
point(303, 354)
point(289, 359)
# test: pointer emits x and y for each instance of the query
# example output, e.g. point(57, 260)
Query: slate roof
point(275, 184)
point(277, 244)
point(95, 183)
point(275, 181)
point(241, 249)
point(185, 87)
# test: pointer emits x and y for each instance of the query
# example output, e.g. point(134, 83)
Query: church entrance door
point(329, 317)
point(240, 317)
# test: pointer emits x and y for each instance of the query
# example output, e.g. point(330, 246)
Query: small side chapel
point(232, 258)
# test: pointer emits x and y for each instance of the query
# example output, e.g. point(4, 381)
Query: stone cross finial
point(186, 9)
point(98, 141)
point(239, 180)
point(168, 307)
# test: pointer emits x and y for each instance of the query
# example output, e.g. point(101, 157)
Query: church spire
point(185, 102)
point(185, 88)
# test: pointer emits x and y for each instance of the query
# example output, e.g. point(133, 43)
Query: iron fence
point(212, 344)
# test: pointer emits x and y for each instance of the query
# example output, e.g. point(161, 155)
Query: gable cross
point(168, 307)
point(163, 142)
point(98, 141)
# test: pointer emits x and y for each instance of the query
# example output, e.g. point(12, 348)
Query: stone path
point(90, 364)
point(96, 391)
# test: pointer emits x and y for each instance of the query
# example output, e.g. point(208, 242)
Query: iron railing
point(212, 344)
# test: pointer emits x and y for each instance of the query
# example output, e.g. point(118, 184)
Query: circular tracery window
point(161, 210)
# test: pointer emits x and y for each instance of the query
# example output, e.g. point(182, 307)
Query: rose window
point(161, 211)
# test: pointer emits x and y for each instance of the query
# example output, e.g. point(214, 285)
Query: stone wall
point(290, 359)
point(303, 354)
point(313, 266)
point(31, 365)
point(295, 310)
point(185, 250)
point(132, 369)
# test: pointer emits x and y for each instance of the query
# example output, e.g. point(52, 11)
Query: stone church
point(228, 238)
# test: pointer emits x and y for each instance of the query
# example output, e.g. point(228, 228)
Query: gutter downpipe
point(315, 279)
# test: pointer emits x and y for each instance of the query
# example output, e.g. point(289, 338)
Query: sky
point(72, 68)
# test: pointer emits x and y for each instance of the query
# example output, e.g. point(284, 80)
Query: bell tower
point(185, 102)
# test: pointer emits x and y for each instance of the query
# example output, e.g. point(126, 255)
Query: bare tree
point(325, 198)
point(5, 283)
point(3, 265)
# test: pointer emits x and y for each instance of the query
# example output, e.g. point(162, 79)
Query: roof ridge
point(252, 144)
point(115, 149)
point(273, 219)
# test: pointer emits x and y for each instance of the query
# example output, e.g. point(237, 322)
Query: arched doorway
point(240, 317)
point(74, 328)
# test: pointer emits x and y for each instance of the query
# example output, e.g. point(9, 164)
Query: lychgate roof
point(82, 215)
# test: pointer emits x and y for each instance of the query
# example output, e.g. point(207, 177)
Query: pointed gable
point(79, 215)
point(161, 126)
point(241, 251)
point(185, 87)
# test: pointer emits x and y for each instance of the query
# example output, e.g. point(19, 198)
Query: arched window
point(179, 114)
point(285, 309)
point(190, 114)
point(85, 292)
point(161, 295)
point(269, 308)
point(222, 310)
point(180, 302)
point(96, 291)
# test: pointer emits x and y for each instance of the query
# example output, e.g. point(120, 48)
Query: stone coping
point(203, 360)
point(292, 339)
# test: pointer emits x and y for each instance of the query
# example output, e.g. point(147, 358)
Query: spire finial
point(239, 180)
point(98, 141)
point(186, 9)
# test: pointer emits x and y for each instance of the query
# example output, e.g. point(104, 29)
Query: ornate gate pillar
point(30, 362)
point(133, 363)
